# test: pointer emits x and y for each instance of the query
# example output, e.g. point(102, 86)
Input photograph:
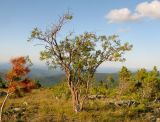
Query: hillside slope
point(41, 106)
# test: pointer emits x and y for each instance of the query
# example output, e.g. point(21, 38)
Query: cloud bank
point(143, 10)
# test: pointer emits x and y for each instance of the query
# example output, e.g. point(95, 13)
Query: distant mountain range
point(6, 66)
point(49, 77)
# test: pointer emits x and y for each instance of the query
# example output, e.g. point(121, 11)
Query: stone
point(92, 97)
point(158, 120)
point(127, 103)
point(25, 103)
point(100, 96)
point(16, 110)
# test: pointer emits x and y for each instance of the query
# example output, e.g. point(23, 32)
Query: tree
point(148, 83)
point(19, 69)
point(110, 81)
point(17, 78)
point(154, 72)
point(78, 56)
point(141, 75)
point(151, 85)
point(124, 74)
point(124, 79)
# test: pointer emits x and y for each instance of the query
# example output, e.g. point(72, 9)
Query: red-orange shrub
point(17, 76)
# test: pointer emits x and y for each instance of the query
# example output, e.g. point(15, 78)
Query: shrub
point(61, 90)
point(3, 84)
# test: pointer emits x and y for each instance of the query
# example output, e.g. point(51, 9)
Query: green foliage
point(110, 82)
point(98, 90)
point(79, 53)
point(3, 84)
point(143, 87)
point(135, 110)
point(112, 93)
point(69, 17)
point(78, 56)
point(61, 91)
point(124, 75)
point(125, 79)
point(150, 83)
point(37, 83)
point(154, 72)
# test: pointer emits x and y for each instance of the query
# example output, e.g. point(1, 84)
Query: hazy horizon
point(101, 69)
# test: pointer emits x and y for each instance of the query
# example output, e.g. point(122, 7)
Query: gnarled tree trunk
point(74, 93)
point(75, 99)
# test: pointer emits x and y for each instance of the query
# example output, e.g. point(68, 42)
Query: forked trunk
point(76, 100)
point(75, 94)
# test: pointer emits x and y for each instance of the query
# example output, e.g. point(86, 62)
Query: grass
point(42, 106)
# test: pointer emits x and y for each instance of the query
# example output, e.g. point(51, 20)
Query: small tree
point(141, 75)
point(151, 85)
point(19, 69)
point(154, 72)
point(110, 81)
point(124, 79)
point(147, 84)
point(124, 74)
point(78, 56)
point(17, 78)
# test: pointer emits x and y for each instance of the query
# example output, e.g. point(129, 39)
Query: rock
point(92, 97)
point(153, 118)
point(25, 103)
point(111, 105)
point(100, 96)
point(157, 100)
point(127, 103)
point(17, 109)
point(156, 111)
point(158, 120)
point(57, 98)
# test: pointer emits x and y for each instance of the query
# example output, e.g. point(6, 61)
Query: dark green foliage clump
point(37, 84)
point(3, 84)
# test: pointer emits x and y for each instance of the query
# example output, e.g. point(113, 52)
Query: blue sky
point(135, 21)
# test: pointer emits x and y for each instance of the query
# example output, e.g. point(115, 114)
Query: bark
point(84, 99)
point(76, 100)
point(74, 93)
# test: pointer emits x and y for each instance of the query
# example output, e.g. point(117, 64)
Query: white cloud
point(145, 9)
point(121, 15)
point(151, 10)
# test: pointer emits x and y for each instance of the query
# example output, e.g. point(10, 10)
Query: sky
point(135, 21)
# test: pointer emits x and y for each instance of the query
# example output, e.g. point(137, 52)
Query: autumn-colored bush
point(17, 76)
